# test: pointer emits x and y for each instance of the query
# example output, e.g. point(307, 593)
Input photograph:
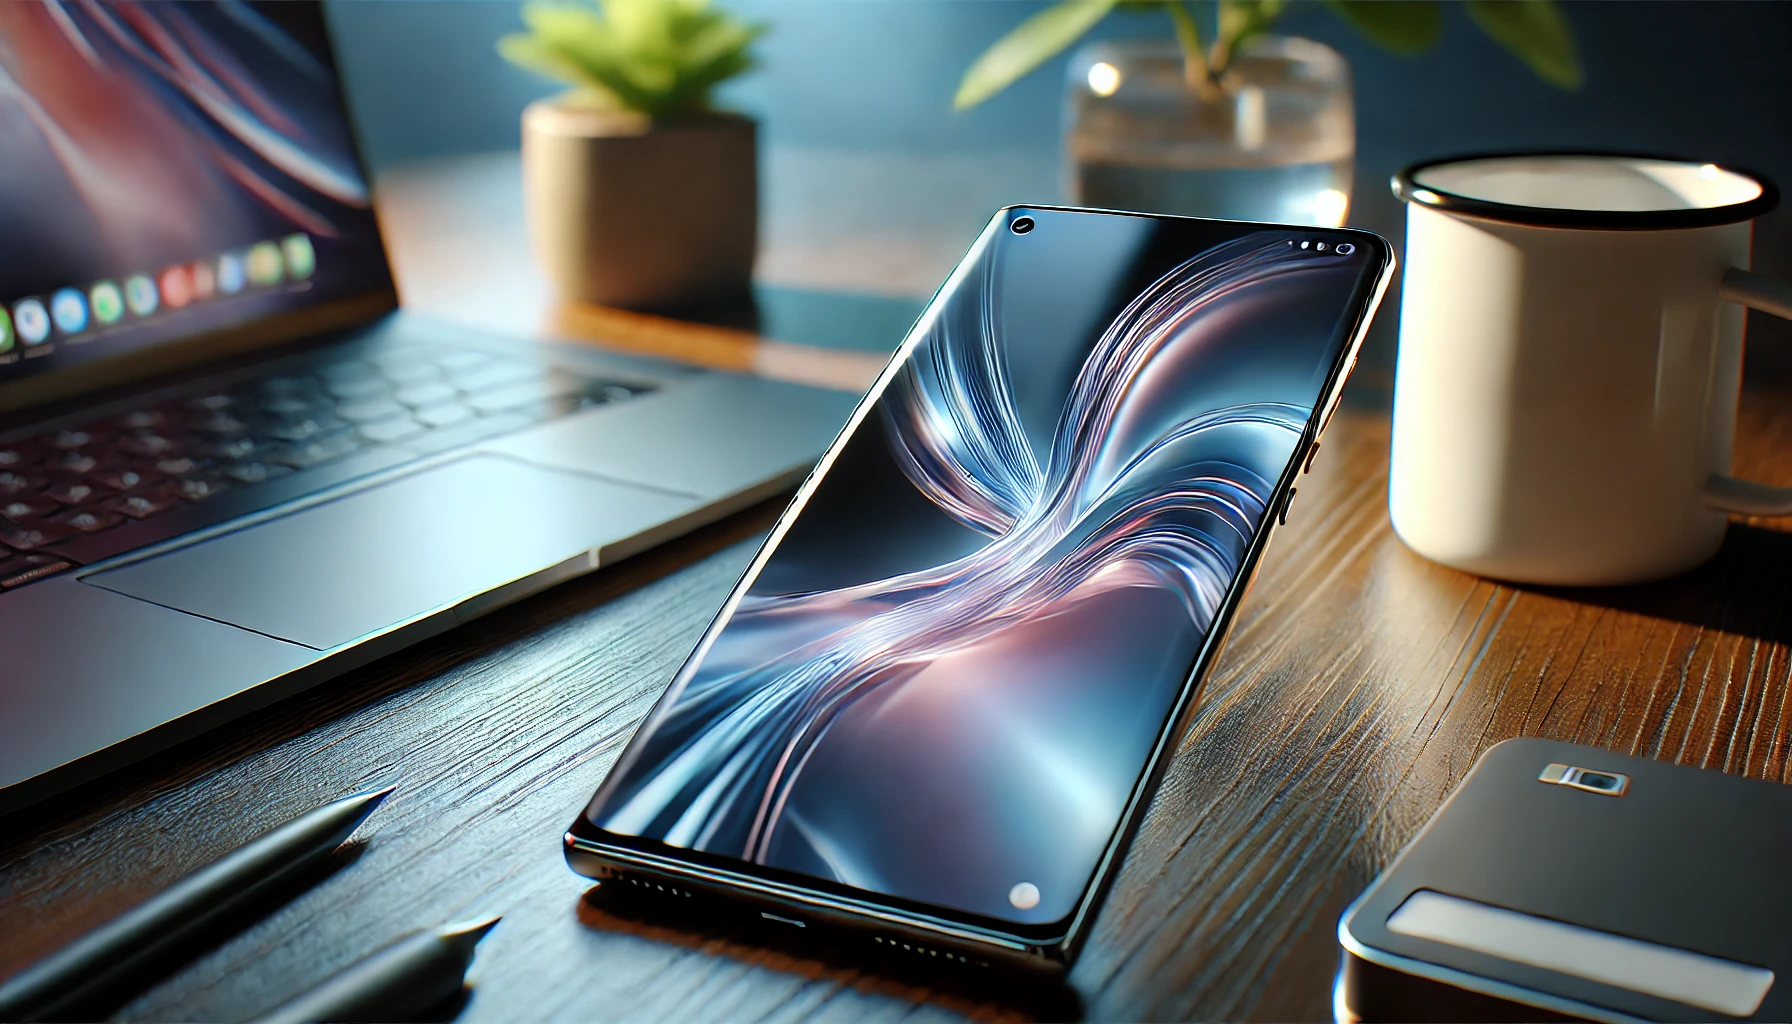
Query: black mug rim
point(1409, 191)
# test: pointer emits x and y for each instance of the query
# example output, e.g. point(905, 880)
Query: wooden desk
point(1359, 685)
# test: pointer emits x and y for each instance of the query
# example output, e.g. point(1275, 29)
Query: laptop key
point(197, 489)
point(419, 395)
point(13, 483)
point(286, 384)
point(25, 510)
point(398, 357)
point(306, 454)
point(370, 410)
point(79, 437)
point(234, 449)
point(147, 444)
point(369, 386)
point(75, 463)
point(124, 479)
point(445, 415)
point(139, 506)
point(179, 465)
point(212, 403)
point(413, 373)
point(74, 492)
point(462, 360)
point(88, 521)
point(470, 432)
point(387, 431)
point(345, 369)
point(26, 453)
point(228, 502)
point(496, 375)
point(518, 395)
point(300, 428)
point(25, 569)
point(255, 472)
point(143, 419)
point(218, 424)
point(290, 405)
point(30, 538)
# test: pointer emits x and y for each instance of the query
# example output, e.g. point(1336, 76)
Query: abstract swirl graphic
point(1136, 515)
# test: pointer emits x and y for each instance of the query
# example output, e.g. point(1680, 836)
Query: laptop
point(231, 466)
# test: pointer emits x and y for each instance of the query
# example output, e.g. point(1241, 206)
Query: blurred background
point(872, 184)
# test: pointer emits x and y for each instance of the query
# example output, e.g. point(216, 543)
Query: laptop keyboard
point(96, 477)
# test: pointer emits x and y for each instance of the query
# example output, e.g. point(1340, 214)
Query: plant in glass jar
point(1225, 119)
point(639, 192)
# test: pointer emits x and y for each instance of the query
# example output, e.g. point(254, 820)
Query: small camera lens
point(1021, 225)
point(1344, 248)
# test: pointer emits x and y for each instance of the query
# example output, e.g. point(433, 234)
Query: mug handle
point(1727, 493)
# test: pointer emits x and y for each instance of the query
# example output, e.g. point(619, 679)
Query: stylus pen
point(414, 974)
point(177, 918)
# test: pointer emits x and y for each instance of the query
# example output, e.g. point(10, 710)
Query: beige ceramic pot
point(624, 211)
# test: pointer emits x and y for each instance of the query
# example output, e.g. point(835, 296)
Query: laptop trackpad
point(328, 574)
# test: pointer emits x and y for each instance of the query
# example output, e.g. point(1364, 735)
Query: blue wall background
point(1705, 78)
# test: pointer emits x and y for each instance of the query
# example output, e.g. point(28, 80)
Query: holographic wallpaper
point(144, 137)
point(946, 679)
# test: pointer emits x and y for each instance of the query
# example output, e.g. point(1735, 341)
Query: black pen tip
point(375, 797)
point(467, 934)
point(350, 811)
point(367, 802)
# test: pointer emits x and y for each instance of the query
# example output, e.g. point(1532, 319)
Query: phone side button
point(1314, 450)
point(1289, 500)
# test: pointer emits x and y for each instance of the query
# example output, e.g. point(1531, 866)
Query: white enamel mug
point(1570, 358)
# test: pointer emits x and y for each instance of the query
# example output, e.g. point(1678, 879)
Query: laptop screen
point(170, 169)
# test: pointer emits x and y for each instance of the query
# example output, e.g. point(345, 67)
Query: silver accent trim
point(1471, 982)
point(1557, 774)
point(1650, 968)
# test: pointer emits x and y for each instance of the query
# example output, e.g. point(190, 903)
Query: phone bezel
point(593, 852)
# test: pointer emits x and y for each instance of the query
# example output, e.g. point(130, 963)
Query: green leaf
point(1028, 45)
point(661, 58)
point(1239, 20)
point(1536, 32)
point(1404, 27)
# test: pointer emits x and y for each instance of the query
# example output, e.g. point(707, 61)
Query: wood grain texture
point(1358, 686)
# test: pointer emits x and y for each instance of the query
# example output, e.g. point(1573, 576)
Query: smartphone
point(935, 706)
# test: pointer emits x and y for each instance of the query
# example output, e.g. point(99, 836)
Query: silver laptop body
point(215, 504)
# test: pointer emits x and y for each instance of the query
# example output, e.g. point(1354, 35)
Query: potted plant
point(638, 191)
point(1223, 119)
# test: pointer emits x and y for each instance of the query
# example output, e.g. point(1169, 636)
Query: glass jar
point(1273, 140)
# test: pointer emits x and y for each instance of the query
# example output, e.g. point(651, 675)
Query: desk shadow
point(204, 939)
point(738, 932)
point(1741, 591)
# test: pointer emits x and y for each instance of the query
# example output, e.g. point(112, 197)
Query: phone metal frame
point(920, 928)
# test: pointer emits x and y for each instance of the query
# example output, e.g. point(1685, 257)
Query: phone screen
point(943, 676)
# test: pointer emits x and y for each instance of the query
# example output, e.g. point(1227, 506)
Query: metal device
point(236, 477)
point(1565, 880)
point(932, 712)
